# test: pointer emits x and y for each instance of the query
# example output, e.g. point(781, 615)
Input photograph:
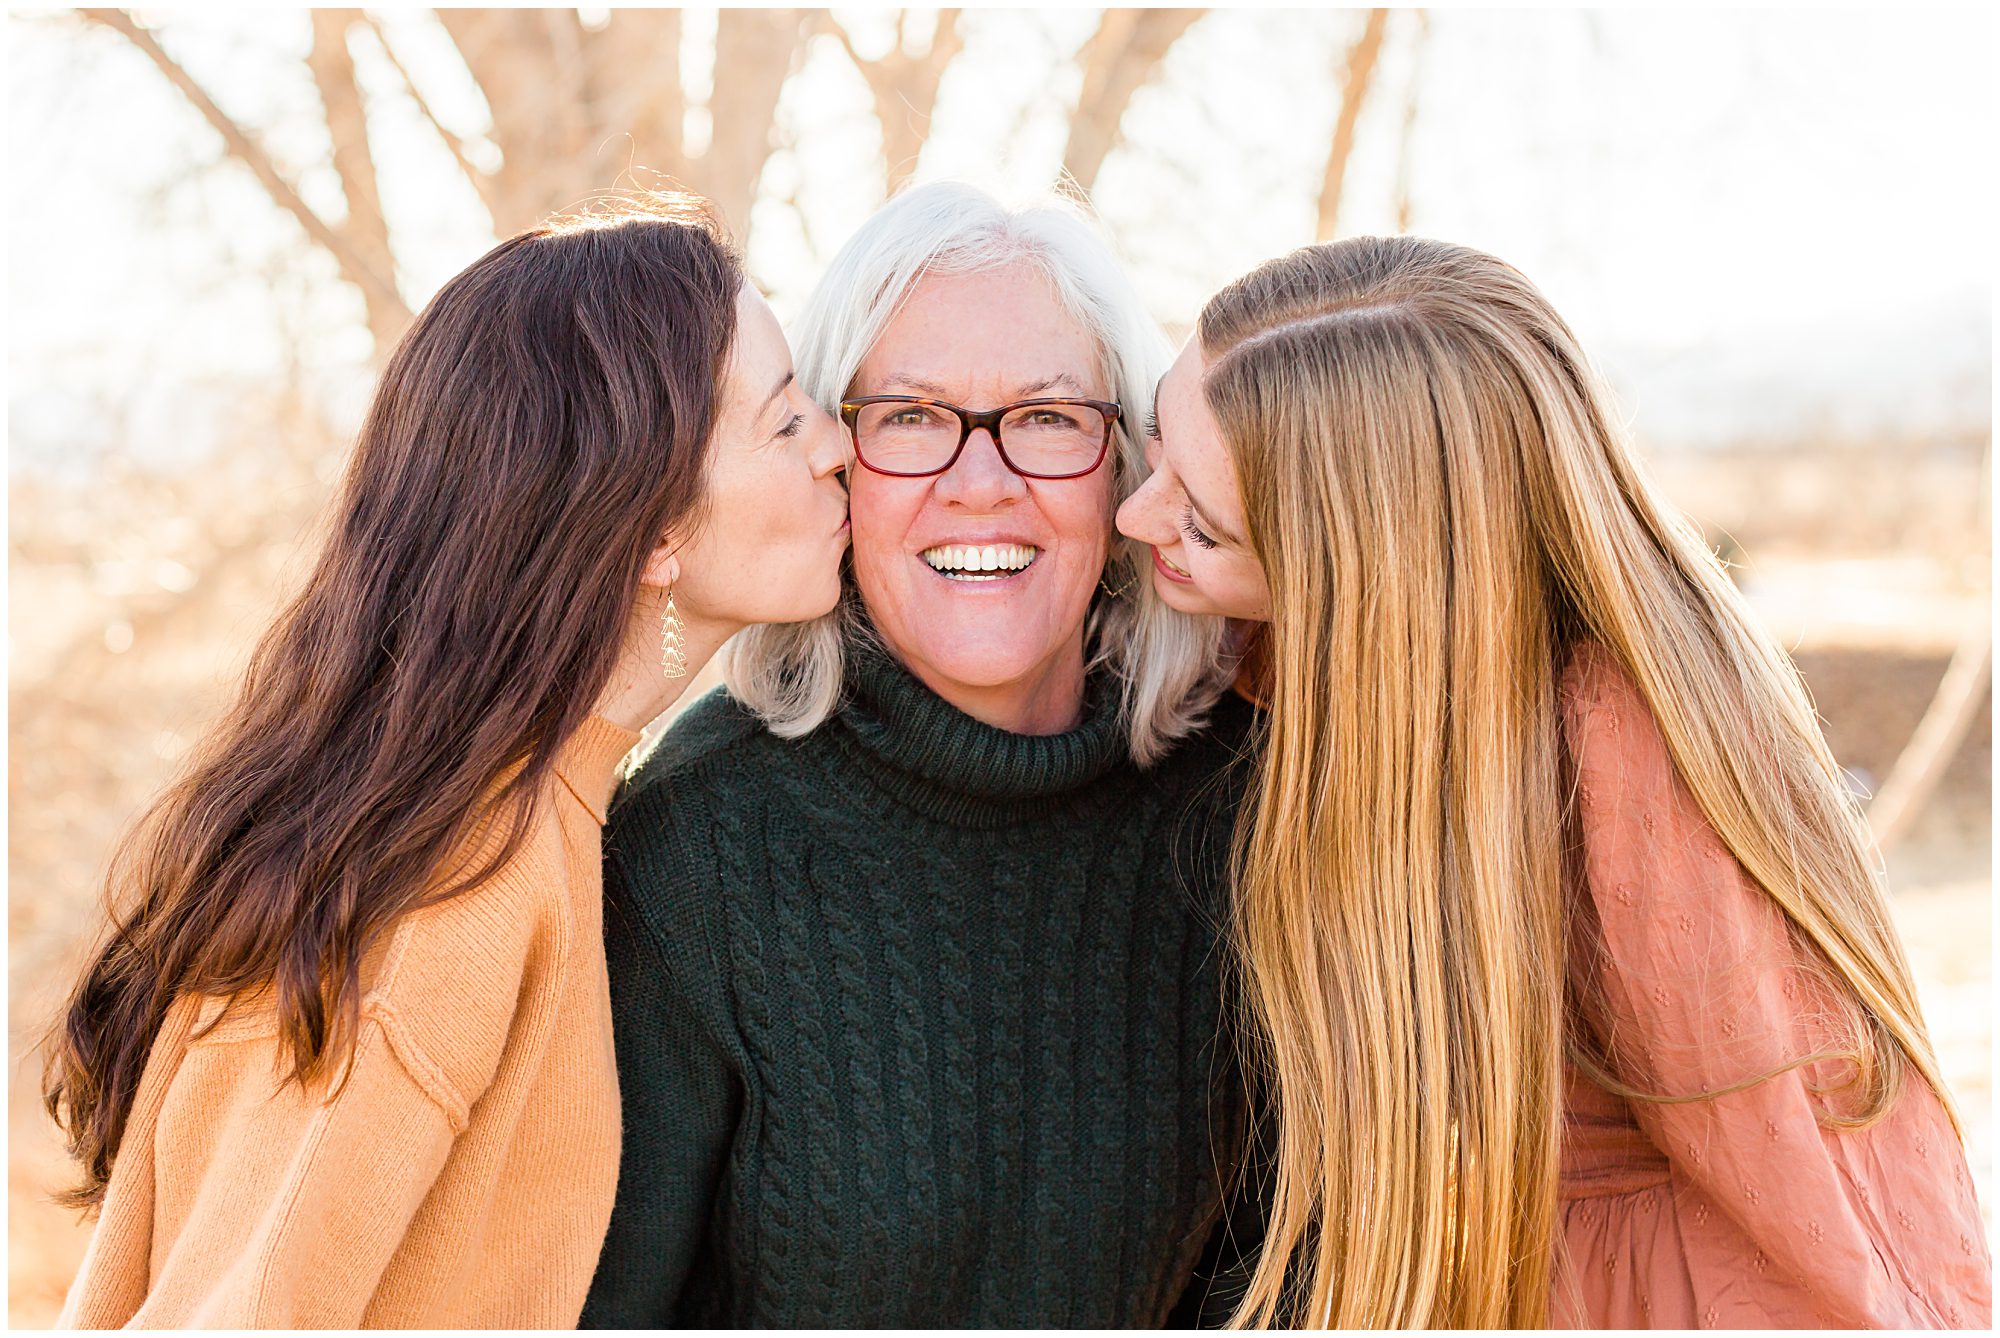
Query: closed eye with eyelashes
point(1192, 530)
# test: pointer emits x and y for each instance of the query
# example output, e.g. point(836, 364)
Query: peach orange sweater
point(463, 1175)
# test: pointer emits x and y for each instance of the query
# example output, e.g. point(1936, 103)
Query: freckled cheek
point(1235, 584)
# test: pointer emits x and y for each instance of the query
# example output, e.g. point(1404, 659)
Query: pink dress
point(1740, 1211)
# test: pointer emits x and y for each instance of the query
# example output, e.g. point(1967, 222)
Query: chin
point(983, 662)
point(809, 599)
point(1183, 598)
point(975, 670)
point(827, 603)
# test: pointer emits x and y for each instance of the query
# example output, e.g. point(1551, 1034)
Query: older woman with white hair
point(913, 932)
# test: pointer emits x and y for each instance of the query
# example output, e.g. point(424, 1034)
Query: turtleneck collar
point(942, 762)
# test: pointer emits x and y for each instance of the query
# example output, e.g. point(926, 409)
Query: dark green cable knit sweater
point(917, 1020)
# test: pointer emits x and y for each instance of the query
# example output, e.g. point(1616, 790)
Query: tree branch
point(1407, 133)
point(755, 51)
point(635, 70)
point(824, 21)
point(1936, 739)
point(903, 86)
point(253, 156)
point(1118, 60)
point(506, 53)
point(1361, 59)
point(452, 141)
point(364, 228)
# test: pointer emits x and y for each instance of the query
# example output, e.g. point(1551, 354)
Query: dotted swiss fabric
point(1743, 1210)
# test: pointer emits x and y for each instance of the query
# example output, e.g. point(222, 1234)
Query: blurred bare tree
point(903, 82)
point(1359, 75)
point(574, 105)
point(1118, 60)
point(568, 103)
point(163, 580)
point(168, 577)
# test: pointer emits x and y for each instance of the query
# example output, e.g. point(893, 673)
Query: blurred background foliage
point(1766, 227)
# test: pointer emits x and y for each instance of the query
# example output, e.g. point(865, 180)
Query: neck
point(639, 691)
point(1048, 699)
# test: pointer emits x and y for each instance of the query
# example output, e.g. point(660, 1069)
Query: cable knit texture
point(463, 1175)
point(917, 1019)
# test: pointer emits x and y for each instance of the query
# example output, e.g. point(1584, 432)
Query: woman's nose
point(979, 478)
point(1138, 515)
point(829, 448)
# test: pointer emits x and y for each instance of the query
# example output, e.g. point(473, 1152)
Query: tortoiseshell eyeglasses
point(910, 437)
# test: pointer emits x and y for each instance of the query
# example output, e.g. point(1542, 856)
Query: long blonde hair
point(1444, 506)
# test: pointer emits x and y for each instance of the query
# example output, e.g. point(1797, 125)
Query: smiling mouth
point(1170, 568)
point(980, 562)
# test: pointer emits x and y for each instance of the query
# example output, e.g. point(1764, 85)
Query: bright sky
point(1761, 223)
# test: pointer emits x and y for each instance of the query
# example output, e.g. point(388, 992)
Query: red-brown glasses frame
point(970, 422)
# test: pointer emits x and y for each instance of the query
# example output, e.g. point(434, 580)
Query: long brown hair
point(536, 433)
point(1444, 508)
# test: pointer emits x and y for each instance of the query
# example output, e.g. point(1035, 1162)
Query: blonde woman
point(1577, 997)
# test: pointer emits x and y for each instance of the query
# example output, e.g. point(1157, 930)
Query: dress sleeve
point(681, 1100)
point(291, 1216)
point(1694, 982)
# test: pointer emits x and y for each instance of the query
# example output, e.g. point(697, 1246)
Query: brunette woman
point(1579, 1002)
point(346, 1056)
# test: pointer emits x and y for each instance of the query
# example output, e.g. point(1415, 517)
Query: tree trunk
point(1361, 59)
point(507, 53)
point(1128, 46)
point(452, 140)
point(758, 47)
point(905, 89)
point(637, 107)
point(364, 228)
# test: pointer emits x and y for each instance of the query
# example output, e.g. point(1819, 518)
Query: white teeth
point(975, 558)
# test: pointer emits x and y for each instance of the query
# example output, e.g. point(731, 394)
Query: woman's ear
point(663, 568)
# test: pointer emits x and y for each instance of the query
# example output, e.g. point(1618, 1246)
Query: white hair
point(1165, 662)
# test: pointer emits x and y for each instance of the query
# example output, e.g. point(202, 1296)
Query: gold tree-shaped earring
point(673, 640)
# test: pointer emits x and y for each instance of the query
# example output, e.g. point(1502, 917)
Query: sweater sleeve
point(681, 1101)
point(318, 1193)
point(1698, 986)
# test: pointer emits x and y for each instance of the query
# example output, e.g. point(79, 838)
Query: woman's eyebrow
point(905, 381)
point(779, 390)
point(1025, 390)
point(1060, 381)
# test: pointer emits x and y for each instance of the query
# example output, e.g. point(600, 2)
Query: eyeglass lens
point(1052, 439)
